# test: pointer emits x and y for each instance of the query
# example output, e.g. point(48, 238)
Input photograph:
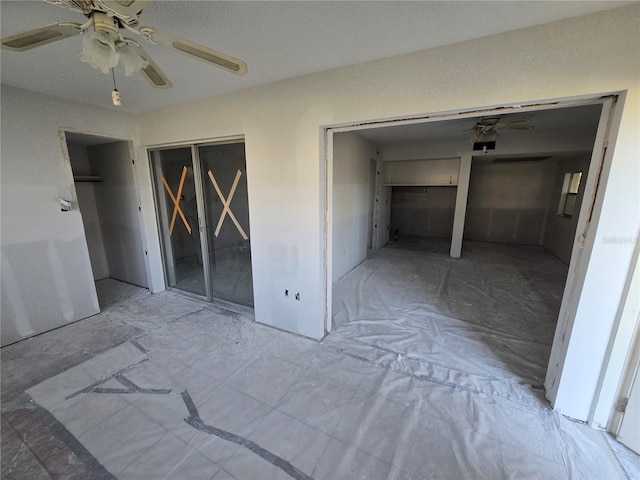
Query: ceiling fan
point(487, 128)
point(106, 47)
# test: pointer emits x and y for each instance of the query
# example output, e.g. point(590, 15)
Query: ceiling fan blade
point(199, 52)
point(37, 37)
point(155, 76)
point(151, 72)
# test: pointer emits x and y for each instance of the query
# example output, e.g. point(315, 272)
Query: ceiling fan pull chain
point(115, 95)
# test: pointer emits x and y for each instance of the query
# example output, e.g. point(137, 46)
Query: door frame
point(202, 222)
point(590, 208)
point(62, 134)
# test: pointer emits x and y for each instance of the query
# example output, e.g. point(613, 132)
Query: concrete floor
point(162, 386)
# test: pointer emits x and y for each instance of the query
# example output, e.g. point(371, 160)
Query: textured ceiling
point(557, 122)
point(278, 40)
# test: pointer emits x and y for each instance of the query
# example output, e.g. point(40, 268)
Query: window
point(570, 187)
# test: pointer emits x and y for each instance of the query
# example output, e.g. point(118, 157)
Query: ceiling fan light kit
point(106, 48)
point(99, 51)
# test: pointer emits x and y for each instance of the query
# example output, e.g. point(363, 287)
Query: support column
point(461, 204)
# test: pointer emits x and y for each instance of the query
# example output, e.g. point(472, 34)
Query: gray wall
point(424, 211)
point(352, 156)
point(85, 192)
point(117, 202)
point(46, 272)
point(508, 202)
point(560, 231)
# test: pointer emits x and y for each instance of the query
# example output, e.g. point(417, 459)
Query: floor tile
point(224, 475)
point(294, 441)
point(170, 412)
point(82, 413)
point(122, 438)
point(266, 379)
point(199, 385)
point(52, 393)
point(223, 363)
point(194, 467)
point(231, 410)
point(18, 461)
point(167, 457)
point(317, 401)
point(372, 426)
point(344, 461)
point(246, 465)
point(294, 349)
point(218, 450)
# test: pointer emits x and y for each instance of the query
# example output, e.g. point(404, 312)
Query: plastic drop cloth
point(203, 393)
point(487, 317)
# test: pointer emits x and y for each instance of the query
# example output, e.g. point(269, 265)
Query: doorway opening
point(107, 197)
point(203, 213)
point(475, 318)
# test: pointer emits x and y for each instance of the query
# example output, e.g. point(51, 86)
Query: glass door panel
point(224, 178)
point(178, 213)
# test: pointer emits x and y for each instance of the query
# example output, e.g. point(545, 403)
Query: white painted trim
point(582, 247)
point(590, 209)
point(375, 231)
point(626, 384)
point(239, 138)
point(623, 353)
point(132, 147)
point(326, 143)
point(460, 212)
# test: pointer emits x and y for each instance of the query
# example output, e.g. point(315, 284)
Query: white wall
point(46, 272)
point(423, 211)
point(508, 202)
point(89, 210)
point(560, 231)
point(117, 202)
point(421, 172)
point(352, 156)
point(282, 124)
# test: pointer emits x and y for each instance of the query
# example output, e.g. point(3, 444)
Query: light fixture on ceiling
point(484, 146)
point(485, 132)
point(484, 136)
point(105, 48)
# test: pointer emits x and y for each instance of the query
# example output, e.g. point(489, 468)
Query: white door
point(629, 433)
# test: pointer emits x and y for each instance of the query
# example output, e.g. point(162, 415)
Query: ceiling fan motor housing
point(105, 23)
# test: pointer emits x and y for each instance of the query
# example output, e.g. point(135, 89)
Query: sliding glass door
point(203, 211)
point(177, 203)
point(227, 215)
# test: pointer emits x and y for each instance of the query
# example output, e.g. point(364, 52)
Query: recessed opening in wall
point(494, 312)
point(569, 194)
point(423, 212)
point(107, 198)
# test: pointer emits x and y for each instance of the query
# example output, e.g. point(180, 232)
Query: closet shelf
point(420, 184)
point(87, 178)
